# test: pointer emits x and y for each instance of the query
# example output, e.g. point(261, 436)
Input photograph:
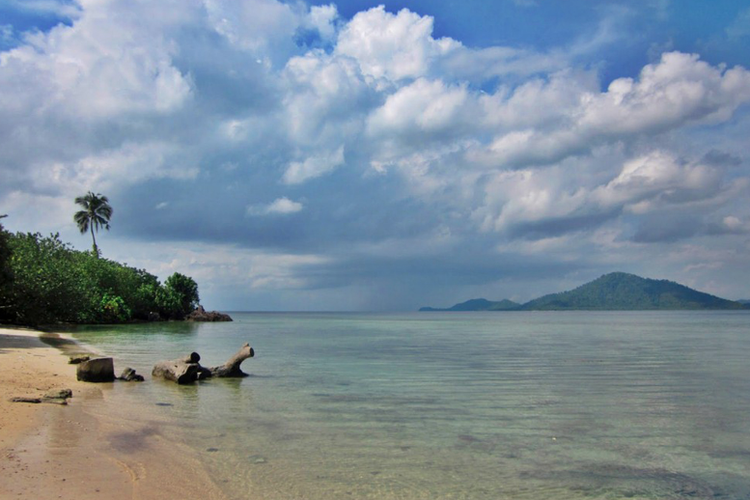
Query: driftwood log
point(188, 369)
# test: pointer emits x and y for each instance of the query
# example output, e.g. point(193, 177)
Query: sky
point(382, 156)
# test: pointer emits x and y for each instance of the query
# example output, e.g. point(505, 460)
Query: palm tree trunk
point(95, 249)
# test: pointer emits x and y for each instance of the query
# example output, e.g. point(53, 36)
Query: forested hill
point(616, 292)
point(622, 291)
point(480, 305)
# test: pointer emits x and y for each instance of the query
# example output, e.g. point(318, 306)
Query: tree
point(95, 214)
point(178, 297)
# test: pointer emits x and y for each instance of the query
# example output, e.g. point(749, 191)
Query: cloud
point(677, 91)
point(280, 206)
point(314, 166)
point(740, 26)
point(392, 47)
point(537, 204)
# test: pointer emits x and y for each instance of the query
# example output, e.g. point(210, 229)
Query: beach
point(75, 451)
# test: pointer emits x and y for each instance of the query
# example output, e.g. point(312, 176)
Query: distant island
point(611, 292)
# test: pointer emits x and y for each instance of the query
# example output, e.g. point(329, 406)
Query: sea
point(475, 405)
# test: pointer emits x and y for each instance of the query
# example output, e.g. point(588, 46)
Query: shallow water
point(573, 405)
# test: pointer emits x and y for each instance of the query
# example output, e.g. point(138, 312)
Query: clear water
point(494, 406)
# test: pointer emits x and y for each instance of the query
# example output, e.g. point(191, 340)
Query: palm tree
point(95, 214)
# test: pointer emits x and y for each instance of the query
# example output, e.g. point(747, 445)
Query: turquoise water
point(603, 405)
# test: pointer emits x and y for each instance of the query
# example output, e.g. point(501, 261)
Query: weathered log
point(59, 396)
point(188, 369)
point(178, 370)
point(232, 367)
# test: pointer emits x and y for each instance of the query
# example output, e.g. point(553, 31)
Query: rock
point(129, 375)
point(76, 360)
point(201, 314)
point(96, 370)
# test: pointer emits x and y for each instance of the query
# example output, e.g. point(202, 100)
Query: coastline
point(81, 450)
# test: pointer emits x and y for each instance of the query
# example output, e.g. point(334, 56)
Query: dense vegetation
point(45, 281)
point(611, 292)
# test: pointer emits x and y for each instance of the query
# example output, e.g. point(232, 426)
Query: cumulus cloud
point(392, 47)
point(677, 91)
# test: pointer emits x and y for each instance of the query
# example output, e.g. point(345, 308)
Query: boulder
point(201, 314)
point(96, 370)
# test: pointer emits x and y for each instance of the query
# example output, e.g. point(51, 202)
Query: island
point(616, 291)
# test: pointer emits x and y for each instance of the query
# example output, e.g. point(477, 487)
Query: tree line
point(45, 281)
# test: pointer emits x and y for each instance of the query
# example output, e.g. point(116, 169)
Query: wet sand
point(73, 451)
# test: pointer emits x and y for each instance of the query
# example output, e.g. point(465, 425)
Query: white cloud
point(393, 47)
point(280, 206)
point(323, 19)
point(426, 106)
point(678, 91)
point(260, 27)
point(314, 166)
point(106, 64)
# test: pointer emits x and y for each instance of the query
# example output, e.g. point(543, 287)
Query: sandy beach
point(70, 452)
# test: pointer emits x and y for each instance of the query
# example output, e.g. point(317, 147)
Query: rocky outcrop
point(96, 370)
point(201, 314)
point(188, 369)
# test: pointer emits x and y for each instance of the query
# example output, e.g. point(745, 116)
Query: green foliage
point(178, 297)
point(112, 309)
point(53, 283)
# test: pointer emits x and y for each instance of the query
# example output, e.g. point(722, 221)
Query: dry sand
point(52, 451)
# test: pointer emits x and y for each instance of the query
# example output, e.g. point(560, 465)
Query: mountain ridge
point(617, 291)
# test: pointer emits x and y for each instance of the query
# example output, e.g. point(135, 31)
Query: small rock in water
point(129, 375)
point(164, 404)
point(212, 450)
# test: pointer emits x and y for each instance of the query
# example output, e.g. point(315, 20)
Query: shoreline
point(84, 449)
